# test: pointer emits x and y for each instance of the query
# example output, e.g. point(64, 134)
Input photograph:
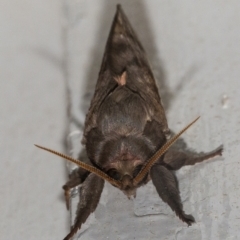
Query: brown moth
point(126, 131)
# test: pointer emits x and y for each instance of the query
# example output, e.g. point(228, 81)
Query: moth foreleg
point(77, 176)
point(175, 159)
point(167, 189)
point(90, 193)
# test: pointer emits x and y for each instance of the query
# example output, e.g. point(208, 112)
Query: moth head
point(125, 181)
point(125, 170)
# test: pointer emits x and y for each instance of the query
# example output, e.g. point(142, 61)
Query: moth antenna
point(159, 153)
point(85, 166)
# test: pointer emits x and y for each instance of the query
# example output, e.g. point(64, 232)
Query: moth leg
point(90, 194)
point(166, 186)
point(77, 176)
point(175, 159)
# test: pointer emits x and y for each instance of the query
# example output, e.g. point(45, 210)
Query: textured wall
point(32, 111)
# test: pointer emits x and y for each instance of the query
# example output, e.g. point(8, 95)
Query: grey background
point(52, 50)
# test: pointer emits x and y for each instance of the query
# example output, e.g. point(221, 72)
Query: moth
point(126, 131)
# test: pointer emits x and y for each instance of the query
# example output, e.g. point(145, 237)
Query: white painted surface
point(32, 111)
point(194, 50)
